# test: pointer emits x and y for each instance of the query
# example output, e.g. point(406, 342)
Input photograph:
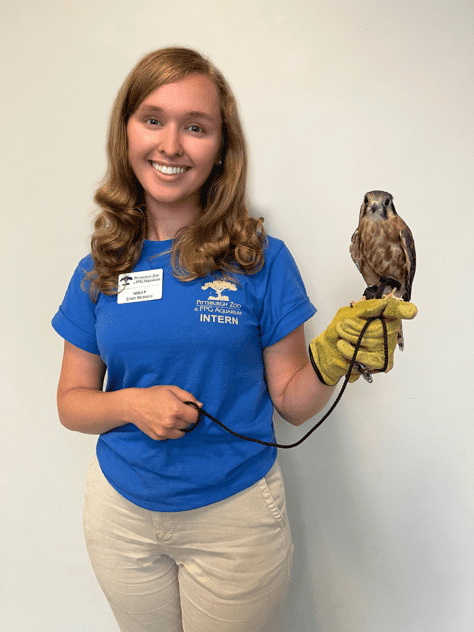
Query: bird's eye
point(386, 202)
point(366, 200)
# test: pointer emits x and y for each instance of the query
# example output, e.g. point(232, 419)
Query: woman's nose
point(170, 141)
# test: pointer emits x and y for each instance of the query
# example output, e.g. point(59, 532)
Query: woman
point(185, 299)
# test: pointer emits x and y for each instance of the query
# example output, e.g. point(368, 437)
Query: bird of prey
point(383, 250)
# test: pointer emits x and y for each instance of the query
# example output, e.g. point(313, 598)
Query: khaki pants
point(220, 568)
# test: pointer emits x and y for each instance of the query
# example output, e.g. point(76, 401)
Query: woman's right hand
point(160, 411)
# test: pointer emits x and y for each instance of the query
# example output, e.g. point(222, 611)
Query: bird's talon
point(364, 371)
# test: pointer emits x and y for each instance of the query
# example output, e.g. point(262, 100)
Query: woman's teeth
point(169, 171)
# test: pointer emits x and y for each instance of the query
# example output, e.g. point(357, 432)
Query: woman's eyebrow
point(201, 115)
point(192, 114)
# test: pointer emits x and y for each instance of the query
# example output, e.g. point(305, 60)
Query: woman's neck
point(164, 222)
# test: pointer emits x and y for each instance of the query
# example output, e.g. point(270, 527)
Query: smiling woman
point(148, 107)
point(187, 532)
point(174, 140)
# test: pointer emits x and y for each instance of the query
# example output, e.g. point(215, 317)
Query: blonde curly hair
point(223, 237)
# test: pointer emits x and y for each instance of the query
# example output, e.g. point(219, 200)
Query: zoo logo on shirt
point(219, 309)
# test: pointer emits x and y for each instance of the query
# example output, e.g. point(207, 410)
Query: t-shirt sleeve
point(75, 320)
point(286, 305)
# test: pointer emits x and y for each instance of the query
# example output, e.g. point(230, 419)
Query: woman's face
point(174, 139)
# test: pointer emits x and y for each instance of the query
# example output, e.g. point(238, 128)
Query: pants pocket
point(273, 493)
point(92, 465)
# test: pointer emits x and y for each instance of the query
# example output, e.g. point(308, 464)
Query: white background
point(337, 98)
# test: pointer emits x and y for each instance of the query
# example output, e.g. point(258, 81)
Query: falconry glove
point(332, 351)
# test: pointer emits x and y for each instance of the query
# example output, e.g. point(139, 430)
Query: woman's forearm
point(158, 411)
point(91, 411)
point(303, 397)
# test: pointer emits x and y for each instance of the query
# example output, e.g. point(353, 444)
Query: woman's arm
point(296, 392)
point(158, 411)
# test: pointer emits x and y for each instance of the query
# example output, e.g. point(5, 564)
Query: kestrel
point(383, 249)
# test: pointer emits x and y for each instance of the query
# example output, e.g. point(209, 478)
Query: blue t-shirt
point(207, 338)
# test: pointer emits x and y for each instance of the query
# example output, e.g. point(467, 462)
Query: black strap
point(202, 412)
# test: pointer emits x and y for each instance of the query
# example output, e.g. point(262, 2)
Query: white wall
point(337, 98)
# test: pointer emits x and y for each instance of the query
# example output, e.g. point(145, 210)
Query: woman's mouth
point(169, 171)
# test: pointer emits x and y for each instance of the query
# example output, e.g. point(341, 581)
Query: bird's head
point(377, 205)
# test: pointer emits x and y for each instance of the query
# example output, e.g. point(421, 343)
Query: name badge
point(135, 287)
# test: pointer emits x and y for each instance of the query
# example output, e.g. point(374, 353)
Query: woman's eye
point(152, 121)
point(195, 128)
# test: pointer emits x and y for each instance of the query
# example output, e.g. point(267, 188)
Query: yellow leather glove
point(331, 352)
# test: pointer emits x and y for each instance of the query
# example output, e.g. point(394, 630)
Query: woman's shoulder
point(275, 249)
point(86, 263)
point(83, 268)
point(273, 246)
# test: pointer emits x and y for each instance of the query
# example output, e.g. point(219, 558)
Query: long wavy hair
point(223, 237)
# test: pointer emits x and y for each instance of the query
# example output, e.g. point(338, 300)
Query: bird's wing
point(354, 249)
point(408, 245)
